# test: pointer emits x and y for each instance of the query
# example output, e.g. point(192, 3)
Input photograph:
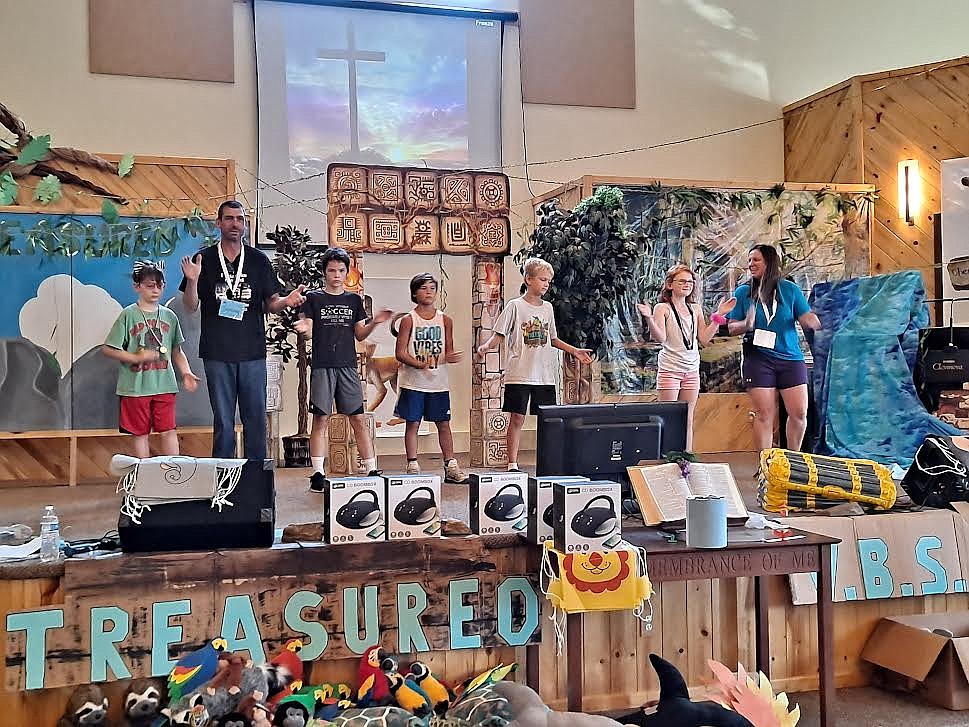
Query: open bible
point(662, 489)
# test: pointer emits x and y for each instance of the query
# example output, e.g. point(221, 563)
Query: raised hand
point(726, 306)
point(296, 298)
point(191, 269)
point(384, 314)
point(645, 310)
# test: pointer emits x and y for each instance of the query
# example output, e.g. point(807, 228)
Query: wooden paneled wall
point(860, 129)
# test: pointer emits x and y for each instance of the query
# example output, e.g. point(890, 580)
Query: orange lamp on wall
point(909, 190)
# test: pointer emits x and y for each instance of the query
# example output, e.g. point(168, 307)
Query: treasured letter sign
point(136, 615)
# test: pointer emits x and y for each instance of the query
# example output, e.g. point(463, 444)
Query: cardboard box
point(587, 516)
point(540, 510)
point(413, 506)
point(354, 509)
point(927, 654)
point(498, 502)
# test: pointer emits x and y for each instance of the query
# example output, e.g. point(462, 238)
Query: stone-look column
point(342, 458)
point(581, 383)
point(489, 425)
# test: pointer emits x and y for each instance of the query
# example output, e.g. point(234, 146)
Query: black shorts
point(517, 396)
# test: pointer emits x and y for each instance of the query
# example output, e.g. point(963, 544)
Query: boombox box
point(249, 522)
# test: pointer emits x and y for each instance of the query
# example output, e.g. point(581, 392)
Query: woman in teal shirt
point(767, 309)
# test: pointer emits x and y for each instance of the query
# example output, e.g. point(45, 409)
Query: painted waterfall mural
point(65, 278)
point(822, 236)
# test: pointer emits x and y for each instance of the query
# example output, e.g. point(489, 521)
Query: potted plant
point(296, 263)
point(594, 254)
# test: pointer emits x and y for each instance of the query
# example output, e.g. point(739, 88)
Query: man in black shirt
point(236, 287)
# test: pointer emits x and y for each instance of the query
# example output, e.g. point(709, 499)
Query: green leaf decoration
point(49, 190)
point(8, 189)
point(109, 212)
point(125, 165)
point(35, 150)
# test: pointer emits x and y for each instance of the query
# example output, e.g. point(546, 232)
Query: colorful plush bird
point(439, 694)
point(486, 679)
point(374, 688)
point(194, 670)
point(343, 691)
point(409, 696)
point(289, 691)
point(288, 659)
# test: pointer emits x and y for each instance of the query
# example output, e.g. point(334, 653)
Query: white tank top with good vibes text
point(426, 344)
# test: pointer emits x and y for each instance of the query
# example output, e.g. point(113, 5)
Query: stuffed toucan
point(439, 694)
point(194, 670)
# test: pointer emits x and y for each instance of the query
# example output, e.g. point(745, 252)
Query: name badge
point(764, 338)
point(232, 309)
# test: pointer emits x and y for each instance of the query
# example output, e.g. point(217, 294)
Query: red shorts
point(141, 415)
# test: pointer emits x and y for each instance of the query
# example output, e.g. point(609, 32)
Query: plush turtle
point(377, 717)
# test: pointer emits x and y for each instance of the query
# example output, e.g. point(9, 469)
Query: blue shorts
point(434, 406)
point(761, 370)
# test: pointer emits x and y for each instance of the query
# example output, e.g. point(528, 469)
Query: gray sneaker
point(453, 473)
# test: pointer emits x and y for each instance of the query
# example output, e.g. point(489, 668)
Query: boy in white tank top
point(424, 345)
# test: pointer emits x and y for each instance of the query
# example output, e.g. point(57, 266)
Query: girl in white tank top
point(678, 323)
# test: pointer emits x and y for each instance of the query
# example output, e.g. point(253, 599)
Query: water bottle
point(50, 536)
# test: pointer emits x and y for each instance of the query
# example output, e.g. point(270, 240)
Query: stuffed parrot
point(288, 659)
point(439, 694)
point(409, 696)
point(374, 688)
point(194, 670)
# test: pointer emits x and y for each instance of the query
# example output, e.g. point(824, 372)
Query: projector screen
point(369, 86)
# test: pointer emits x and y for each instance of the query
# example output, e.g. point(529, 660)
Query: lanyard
point(233, 284)
point(687, 343)
point(769, 316)
point(151, 331)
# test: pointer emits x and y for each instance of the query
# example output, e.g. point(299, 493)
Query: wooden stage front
point(694, 620)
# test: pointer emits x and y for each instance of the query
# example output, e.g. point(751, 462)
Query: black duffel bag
point(940, 472)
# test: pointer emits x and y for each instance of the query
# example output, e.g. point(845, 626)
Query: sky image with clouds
point(413, 105)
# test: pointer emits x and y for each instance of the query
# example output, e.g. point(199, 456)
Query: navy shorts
point(517, 398)
point(434, 406)
point(760, 370)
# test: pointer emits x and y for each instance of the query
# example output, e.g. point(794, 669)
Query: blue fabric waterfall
point(864, 357)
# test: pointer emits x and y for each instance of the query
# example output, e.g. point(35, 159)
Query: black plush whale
point(675, 708)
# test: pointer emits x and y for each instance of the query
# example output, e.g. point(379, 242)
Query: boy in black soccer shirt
point(333, 318)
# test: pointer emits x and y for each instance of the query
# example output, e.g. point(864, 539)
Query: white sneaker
point(413, 467)
point(453, 473)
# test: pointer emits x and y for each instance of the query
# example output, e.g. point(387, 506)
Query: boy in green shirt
point(146, 339)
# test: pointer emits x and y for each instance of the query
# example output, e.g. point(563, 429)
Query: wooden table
point(746, 555)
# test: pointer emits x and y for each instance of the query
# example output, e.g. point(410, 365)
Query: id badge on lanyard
point(763, 337)
point(231, 308)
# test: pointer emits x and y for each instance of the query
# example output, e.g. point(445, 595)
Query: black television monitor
point(600, 441)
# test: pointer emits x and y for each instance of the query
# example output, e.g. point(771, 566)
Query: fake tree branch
point(29, 154)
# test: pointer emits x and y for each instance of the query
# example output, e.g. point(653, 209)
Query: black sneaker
point(317, 479)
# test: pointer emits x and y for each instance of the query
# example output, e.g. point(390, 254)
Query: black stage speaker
point(248, 523)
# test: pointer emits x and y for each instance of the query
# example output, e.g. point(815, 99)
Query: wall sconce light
point(909, 190)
